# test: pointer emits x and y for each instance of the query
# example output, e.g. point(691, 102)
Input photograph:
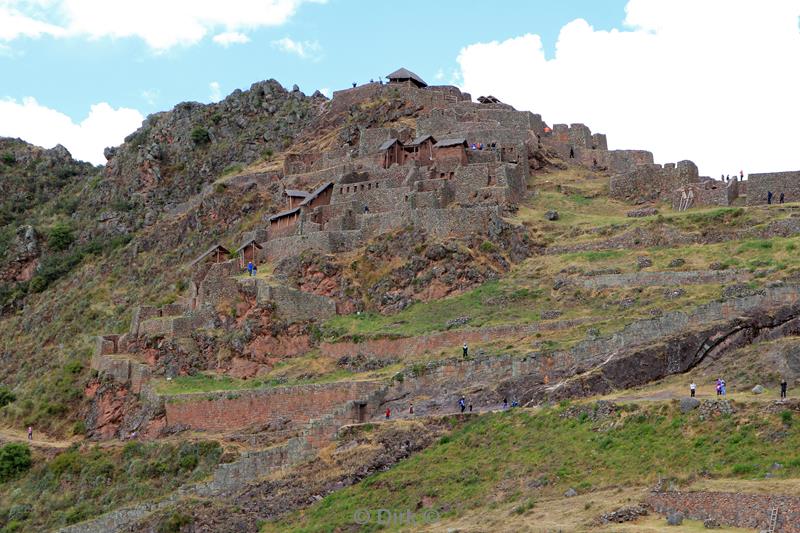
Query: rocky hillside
point(264, 420)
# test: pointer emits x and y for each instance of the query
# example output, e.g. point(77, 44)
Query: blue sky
point(686, 79)
point(358, 40)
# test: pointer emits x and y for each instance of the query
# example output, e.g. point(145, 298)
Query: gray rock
point(675, 518)
point(295, 88)
point(551, 215)
point(710, 523)
point(689, 404)
point(758, 389)
point(571, 493)
point(643, 262)
point(676, 262)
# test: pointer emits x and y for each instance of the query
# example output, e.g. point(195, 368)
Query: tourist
point(769, 197)
point(722, 387)
point(692, 388)
point(255, 270)
point(354, 85)
point(30, 432)
point(388, 413)
point(462, 404)
point(783, 388)
point(780, 198)
point(366, 209)
point(505, 403)
point(741, 174)
point(250, 267)
point(719, 387)
point(722, 177)
point(515, 403)
point(411, 408)
point(466, 350)
point(470, 407)
point(571, 153)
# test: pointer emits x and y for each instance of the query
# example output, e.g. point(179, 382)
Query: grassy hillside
point(506, 468)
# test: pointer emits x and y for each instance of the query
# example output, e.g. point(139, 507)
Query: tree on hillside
point(15, 458)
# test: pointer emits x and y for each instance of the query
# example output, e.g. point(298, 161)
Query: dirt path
point(39, 440)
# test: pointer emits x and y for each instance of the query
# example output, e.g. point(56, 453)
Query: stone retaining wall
point(758, 185)
point(647, 279)
point(732, 509)
point(294, 305)
point(231, 410)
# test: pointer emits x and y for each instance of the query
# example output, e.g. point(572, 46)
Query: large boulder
point(758, 389)
point(689, 404)
point(674, 518)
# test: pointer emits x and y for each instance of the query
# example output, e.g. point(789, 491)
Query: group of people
point(770, 196)
point(728, 177)
point(722, 388)
point(252, 269)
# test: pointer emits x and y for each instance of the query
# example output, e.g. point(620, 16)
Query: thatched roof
point(247, 243)
point(388, 143)
point(421, 139)
point(403, 74)
point(285, 213)
point(294, 193)
point(213, 249)
point(319, 190)
point(455, 141)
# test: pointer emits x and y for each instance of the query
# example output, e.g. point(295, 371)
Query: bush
point(6, 396)
point(8, 158)
point(174, 522)
point(60, 237)
point(487, 247)
point(15, 458)
point(200, 135)
point(786, 417)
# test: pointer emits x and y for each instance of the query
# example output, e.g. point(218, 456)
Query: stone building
point(248, 252)
point(454, 150)
point(216, 254)
point(420, 150)
point(391, 153)
point(406, 77)
point(294, 197)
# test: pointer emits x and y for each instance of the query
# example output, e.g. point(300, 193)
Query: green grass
point(79, 484)
point(471, 467)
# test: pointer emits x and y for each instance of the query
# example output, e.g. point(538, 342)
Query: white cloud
point(151, 95)
point(303, 49)
point(161, 24)
point(326, 91)
point(230, 37)
point(710, 81)
point(42, 126)
point(216, 91)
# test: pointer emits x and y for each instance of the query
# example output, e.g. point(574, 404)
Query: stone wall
point(732, 509)
point(653, 182)
point(787, 183)
point(706, 193)
point(677, 279)
point(122, 369)
point(293, 305)
point(227, 411)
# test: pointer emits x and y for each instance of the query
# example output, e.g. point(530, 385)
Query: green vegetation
point(60, 237)
point(491, 458)
point(6, 396)
point(15, 458)
point(8, 158)
point(200, 136)
point(79, 484)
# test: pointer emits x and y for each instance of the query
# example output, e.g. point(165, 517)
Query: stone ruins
point(458, 172)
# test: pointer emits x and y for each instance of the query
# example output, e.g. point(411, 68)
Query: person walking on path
point(722, 387)
point(466, 350)
point(784, 385)
point(462, 404)
point(769, 197)
point(30, 432)
point(780, 198)
point(250, 267)
point(692, 388)
point(505, 403)
point(388, 413)
point(719, 387)
point(470, 407)
point(411, 408)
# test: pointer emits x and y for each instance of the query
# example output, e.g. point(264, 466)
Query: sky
point(714, 81)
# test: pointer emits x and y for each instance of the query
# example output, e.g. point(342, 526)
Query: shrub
point(6, 396)
point(200, 135)
point(487, 247)
point(786, 417)
point(8, 158)
point(267, 154)
point(60, 237)
point(15, 458)
point(174, 522)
